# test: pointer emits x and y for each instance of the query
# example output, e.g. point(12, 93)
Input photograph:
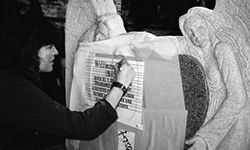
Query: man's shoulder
point(16, 87)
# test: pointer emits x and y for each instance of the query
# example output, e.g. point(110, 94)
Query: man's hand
point(124, 72)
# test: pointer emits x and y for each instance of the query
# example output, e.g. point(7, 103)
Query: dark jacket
point(26, 107)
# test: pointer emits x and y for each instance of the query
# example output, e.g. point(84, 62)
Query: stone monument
point(218, 39)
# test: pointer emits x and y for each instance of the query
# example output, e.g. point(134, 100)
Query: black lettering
point(123, 105)
point(130, 95)
point(107, 85)
point(109, 73)
point(122, 100)
point(111, 80)
point(110, 66)
point(98, 94)
point(103, 79)
point(128, 146)
point(103, 64)
point(128, 101)
point(96, 78)
point(99, 89)
point(100, 64)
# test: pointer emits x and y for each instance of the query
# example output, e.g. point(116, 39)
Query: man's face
point(47, 55)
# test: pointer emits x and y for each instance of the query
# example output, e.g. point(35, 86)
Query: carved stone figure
point(218, 38)
point(226, 125)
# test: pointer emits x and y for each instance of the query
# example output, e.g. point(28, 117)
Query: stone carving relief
point(218, 39)
point(219, 47)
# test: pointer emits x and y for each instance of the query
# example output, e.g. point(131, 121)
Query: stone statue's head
point(200, 24)
point(197, 30)
point(195, 27)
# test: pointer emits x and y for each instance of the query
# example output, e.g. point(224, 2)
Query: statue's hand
point(197, 143)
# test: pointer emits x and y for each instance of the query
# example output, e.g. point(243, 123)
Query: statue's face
point(197, 31)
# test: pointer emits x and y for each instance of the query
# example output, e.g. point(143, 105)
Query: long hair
point(20, 42)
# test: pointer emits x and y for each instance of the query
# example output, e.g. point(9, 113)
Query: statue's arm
point(217, 127)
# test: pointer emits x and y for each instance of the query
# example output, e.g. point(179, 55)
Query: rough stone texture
point(225, 56)
point(219, 38)
point(196, 93)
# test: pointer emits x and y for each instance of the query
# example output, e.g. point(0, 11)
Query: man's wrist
point(120, 86)
point(114, 96)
